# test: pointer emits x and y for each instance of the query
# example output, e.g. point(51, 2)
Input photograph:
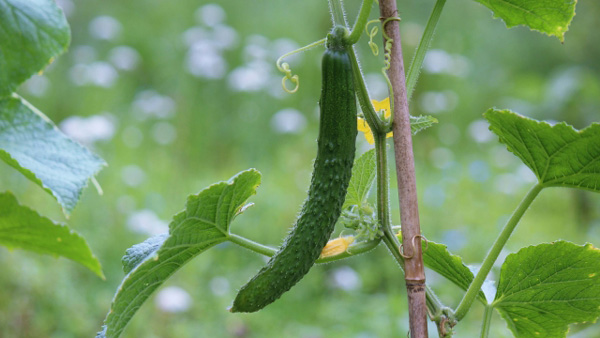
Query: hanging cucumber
point(331, 175)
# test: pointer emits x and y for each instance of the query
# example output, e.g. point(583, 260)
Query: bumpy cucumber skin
point(331, 175)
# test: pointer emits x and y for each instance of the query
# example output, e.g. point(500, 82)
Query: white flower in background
point(132, 175)
point(480, 132)
point(274, 87)
point(146, 222)
point(500, 157)
point(173, 299)
point(37, 85)
point(105, 27)
point(460, 66)
point(164, 133)
point(151, 104)
point(288, 121)
point(124, 57)
point(479, 171)
point(84, 54)
point(224, 37)
point(563, 85)
point(90, 129)
point(438, 61)
point(204, 60)
point(282, 46)
point(195, 34)
point(79, 74)
point(345, 278)
point(258, 40)
point(438, 102)
point(507, 183)
point(252, 77)
point(255, 51)
point(525, 174)
point(210, 14)
point(102, 74)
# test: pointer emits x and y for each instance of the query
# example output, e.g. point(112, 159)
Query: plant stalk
point(487, 321)
point(390, 239)
point(376, 125)
point(383, 194)
point(361, 21)
point(338, 16)
point(379, 134)
point(252, 245)
point(417, 62)
point(488, 263)
point(353, 250)
point(405, 171)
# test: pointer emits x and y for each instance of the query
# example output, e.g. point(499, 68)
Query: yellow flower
point(378, 105)
point(337, 246)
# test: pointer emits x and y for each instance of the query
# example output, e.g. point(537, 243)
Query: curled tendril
point(295, 79)
point(413, 244)
point(387, 58)
point(388, 44)
point(372, 33)
point(284, 67)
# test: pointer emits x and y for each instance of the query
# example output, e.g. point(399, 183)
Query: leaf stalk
point(417, 62)
point(488, 263)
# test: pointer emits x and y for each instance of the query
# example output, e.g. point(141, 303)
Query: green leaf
point(552, 17)
point(437, 257)
point(559, 155)
point(363, 176)
point(421, 122)
point(23, 228)
point(139, 252)
point(544, 288)
point(32, 34)
point(33, 145)
point(203, 224)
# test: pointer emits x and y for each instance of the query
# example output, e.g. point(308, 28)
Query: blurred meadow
point(177, 95)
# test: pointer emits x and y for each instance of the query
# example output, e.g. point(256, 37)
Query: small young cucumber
point(331, 175)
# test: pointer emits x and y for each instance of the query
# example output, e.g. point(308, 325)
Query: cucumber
point(331, 175)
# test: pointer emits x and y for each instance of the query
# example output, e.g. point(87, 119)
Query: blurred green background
point(177, 95)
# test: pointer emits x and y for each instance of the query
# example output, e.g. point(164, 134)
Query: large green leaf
point(544, 288)
point(203, 224)
point(559, 155)
point(32, 33)
point(363, 175)
point(31, 143)
point(23, 228)
point(552, 17)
